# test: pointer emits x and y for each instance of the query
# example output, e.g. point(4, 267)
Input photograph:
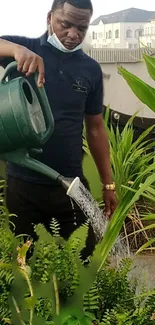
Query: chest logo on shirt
point(79, 86)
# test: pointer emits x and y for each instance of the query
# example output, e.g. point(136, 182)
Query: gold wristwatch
point(109, 187)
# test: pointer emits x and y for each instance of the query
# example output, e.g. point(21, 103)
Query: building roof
point(131, 15)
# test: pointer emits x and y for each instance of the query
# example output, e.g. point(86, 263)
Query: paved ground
point(143, 270)
point(146, 264)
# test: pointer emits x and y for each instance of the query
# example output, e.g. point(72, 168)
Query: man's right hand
point(29, 62)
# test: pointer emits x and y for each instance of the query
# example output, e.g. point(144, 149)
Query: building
point(120, 29)
point(148, 38)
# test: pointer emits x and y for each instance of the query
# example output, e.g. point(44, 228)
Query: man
point(74, 87)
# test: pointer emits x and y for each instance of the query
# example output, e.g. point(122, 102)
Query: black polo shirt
point(69, 103)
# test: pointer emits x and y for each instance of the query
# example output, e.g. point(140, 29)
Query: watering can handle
point(42, 97)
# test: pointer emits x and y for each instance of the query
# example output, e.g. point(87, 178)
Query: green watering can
point(26, 123)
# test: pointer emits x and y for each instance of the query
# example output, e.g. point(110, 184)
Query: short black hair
point(81, 4)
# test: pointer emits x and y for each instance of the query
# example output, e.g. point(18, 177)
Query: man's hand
point(110, 201)
point(29, 62)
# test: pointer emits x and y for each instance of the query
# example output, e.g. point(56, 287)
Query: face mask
point(53, 40)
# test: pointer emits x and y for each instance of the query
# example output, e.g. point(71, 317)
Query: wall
point(118, 94)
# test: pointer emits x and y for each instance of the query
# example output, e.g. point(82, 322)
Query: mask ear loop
point(50, 28)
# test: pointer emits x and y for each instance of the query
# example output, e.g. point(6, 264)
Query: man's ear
point(49, 17)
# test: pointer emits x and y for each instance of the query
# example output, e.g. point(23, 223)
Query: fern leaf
point(91, 300)
point(55, 228)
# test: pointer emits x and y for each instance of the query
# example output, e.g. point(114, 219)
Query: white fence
point(119, 55)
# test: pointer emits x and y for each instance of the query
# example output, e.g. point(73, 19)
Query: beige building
point(120, 29)
point(148, 38)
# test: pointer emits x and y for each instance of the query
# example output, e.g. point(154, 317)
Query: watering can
point(26, 123)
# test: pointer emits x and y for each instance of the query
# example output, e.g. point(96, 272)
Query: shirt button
point(61, 72)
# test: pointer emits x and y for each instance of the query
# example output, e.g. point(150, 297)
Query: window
point(94, 35)
point(129, 33)
point(149, 45)
point(110, 34)
point(106, 35)
point(100, 35)
point(135, 46)
point(117, 33)
point(138, 33)
point(130, 46)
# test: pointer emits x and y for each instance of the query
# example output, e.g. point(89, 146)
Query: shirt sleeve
point(4, 61)
point(94, 102)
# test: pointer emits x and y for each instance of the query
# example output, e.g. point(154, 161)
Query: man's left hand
point(110, 201)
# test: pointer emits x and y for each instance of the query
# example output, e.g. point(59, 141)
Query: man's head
point(70, 19)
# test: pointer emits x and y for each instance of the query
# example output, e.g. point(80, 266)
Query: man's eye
point(83, 29)
point(65, 25)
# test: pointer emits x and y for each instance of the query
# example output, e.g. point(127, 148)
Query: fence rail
point(119, 55)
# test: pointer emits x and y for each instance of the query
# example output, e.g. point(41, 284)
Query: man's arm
point(7, 49)
point(97, 137)
point(27, 61)
point(99, 146)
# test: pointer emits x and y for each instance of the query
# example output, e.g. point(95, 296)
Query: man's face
point(70, 24)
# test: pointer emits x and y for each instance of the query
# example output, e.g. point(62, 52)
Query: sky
point(28, 18)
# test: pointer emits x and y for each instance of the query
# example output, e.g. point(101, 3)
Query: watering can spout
point(21, 157)
point(65, 182)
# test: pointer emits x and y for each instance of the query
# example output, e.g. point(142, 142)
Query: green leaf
point(142, 90)
point(152, 226)
point(5, 266)
point(6, 321)
point(86, 320)
point(71, 321)
point(150, 63)
point(29, 302)
point(146, 245)
point(148, 217)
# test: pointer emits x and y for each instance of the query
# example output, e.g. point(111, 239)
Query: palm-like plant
point(129, 158)
point(146, 94)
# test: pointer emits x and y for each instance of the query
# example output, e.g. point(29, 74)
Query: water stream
point(89, 206)
point(91, 209)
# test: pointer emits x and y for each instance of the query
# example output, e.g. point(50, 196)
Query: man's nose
point(73, 33)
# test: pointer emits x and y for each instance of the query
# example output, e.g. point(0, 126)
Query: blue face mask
point(53, 40)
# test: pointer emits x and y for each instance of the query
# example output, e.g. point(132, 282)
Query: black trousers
point(37, 203)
